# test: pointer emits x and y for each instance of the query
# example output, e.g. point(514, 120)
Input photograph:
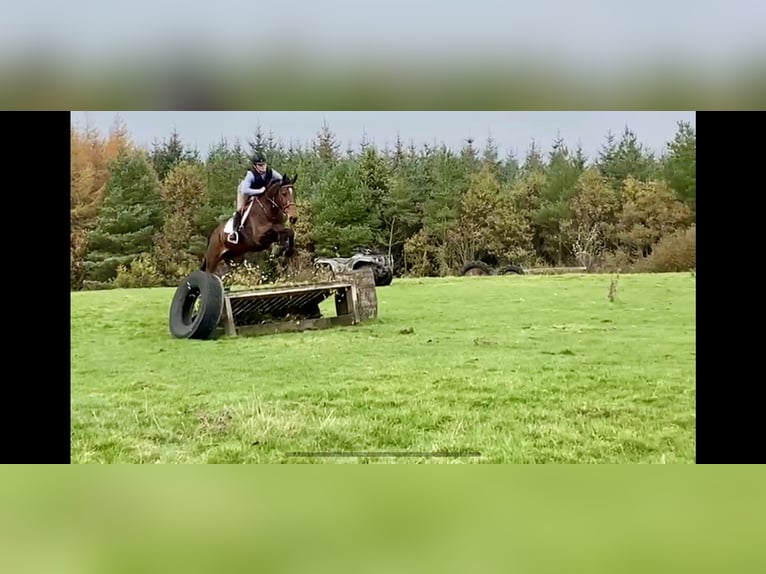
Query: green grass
point(530, 369)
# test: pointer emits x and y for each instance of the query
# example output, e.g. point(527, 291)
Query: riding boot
point(234, 235)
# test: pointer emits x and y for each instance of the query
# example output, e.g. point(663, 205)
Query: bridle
point(281, 208)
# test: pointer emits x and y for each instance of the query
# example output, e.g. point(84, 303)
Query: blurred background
point(340, 54)
point(528, 519)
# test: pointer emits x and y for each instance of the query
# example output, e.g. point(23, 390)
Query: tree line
point(141, 216)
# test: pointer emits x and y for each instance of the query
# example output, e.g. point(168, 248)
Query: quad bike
point(382, 265)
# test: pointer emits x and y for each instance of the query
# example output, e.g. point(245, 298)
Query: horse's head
point(284, 197)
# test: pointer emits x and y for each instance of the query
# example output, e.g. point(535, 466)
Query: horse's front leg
point(286, 240)
point(289, 242)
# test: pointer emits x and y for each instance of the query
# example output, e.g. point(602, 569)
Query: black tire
point(377, 270)
point(384, 278)
point(206, 288)
point(476, 268)
point(511, 270)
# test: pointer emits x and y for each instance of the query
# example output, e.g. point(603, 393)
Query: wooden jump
point(270, 310)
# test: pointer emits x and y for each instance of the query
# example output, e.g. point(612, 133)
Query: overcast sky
point(512, 131)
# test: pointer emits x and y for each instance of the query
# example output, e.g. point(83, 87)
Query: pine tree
point(224, 169)
point(325, 145)
point(374, 171)
point(469, 158)
point(258, 143)
point(169, 153)
point(130, 216)
point(509, 169)
point(534, 159)
point(399, 153)
point(680, 165)
point(341, 212)
point(628, 158)
point(489, 155)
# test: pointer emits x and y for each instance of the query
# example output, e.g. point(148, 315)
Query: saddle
point(232, 234)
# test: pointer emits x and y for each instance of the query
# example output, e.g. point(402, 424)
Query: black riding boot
point(236, 221)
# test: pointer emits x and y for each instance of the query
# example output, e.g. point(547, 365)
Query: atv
point(382, 265)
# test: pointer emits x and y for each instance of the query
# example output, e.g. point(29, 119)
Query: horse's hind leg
point(212, 258)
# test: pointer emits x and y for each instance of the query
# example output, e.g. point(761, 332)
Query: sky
point(511, 131)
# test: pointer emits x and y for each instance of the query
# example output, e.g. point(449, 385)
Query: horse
point(263, 218)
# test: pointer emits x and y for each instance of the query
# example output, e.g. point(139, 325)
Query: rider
point(257, 178)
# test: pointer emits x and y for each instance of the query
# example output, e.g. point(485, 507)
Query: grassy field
point(521, 369)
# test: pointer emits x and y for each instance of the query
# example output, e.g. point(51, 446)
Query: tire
point(511, 270)
point(206, 288)
point(476, 268)
point(385, 277)
point(376, 270)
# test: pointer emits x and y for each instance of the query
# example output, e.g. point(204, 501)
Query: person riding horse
point(263, 223)
point(256, 180)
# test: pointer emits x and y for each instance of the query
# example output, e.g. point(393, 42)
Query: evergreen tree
point(374, 171)
point(169, 153)
point(343, 220)
point(224, 169)
point(326, 145)
point(627, 158)
point(489, 155)
point(130, 216)
point(680, 165)
point(534, 159)
point(509, 169)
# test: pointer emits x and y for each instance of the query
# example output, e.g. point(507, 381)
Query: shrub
point(619, 260)
point(141, 272)
point(674, 252)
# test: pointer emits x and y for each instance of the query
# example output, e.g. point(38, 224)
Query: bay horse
point(263, 219)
